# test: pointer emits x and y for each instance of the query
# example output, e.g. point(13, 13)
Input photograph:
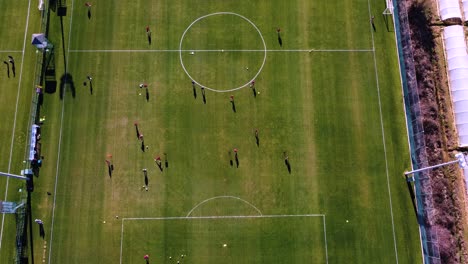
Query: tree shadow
point(66, 81)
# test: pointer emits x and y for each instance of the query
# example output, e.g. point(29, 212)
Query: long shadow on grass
point(66, 81)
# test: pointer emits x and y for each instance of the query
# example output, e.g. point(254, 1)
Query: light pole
point(460, 160)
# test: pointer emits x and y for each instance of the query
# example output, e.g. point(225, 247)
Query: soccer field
point(304, 166)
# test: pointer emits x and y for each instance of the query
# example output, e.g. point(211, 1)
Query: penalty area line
point(220, 217)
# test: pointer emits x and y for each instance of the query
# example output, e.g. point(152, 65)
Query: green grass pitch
point(329, 97)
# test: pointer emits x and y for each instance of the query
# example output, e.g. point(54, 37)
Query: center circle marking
point(214, 14)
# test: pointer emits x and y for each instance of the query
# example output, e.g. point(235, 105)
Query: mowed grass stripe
point(350, 161)
point(168, 20)
point(246, 240)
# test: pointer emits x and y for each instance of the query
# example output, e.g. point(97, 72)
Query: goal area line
point(219, 217)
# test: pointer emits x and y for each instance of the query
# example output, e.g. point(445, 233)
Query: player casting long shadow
point(147, 95)
point(203, 94)
point(143, 145)
point(237, 160)
point(159, 163)
point(372, 23)
point(137, 131)
point(91, 88)
point(110, 168)
point(41, 231)
point(257, 138)
point(149, 38)
point(280, 40)
point(13, 68)
point(286, 161)
point(194, 90)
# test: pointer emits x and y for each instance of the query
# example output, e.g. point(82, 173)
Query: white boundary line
point(383, 133)
point(218, 50)
point(223, 197)
point(60, 140)
point(325, 236)
point(222, 217)
point(14, 119)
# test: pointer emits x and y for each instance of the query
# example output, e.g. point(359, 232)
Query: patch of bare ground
point(439, 131)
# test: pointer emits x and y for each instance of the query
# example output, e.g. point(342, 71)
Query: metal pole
point(13, 176)
point(437, 166)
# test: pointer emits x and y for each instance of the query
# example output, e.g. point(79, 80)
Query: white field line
point(224, 197)
point(219, 217)
point(121, 241)
point(14, 119)
point(60, 141)
point(383, 133)
point(325, 235)
point(218, 50)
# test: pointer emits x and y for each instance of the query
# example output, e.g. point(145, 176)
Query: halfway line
point(220, 50)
